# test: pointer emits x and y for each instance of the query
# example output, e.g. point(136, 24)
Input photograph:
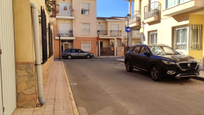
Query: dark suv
point(161, 61)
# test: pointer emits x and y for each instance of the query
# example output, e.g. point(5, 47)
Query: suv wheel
point(155, 73)
point(69, 57)
point(128, 67)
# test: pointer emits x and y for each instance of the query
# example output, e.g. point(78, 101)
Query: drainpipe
point(37, 52)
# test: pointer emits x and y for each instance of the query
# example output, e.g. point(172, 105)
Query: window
point(64, 8)
point(86, 29)
point(153, 38)
point(85, 8)
point(188, 38)
point(171, 3)
point(143, 50)
point(136, 50)
point(154, 4)
point(86, 46)
point(181, 37)
point(140, 5)
point(195, 37)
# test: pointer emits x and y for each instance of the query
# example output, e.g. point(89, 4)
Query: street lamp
point(98, 32)
point(128, 18)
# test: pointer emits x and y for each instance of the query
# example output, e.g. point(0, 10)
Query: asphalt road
point(103, 87)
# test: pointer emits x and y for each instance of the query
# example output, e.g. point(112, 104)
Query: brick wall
point(78, 40)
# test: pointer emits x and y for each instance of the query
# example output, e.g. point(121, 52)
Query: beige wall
point(104, 24)
point(106, 43)
point(23, 33)
point(79, 19)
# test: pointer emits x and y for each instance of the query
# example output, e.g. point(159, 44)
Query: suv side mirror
point(147, 53)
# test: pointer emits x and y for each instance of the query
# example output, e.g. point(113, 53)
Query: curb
point(75, 110)
point(198, 78)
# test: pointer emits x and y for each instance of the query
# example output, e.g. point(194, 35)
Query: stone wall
point(26, 81)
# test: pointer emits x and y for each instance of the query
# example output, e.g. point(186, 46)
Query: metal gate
point(107, 51)
point(7, 59)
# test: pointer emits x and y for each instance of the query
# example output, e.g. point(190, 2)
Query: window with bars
point(152, 37)
point(85, 28)
point(188, 38)
point(86, 46)
point(195, 37)
point(44, 35)
point(181, 38)
point(85, 8)
point(50, 41)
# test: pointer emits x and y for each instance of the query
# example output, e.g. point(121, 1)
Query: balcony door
point(64, 29)
point(64, 8)
point(115, 30)
point(154, 4)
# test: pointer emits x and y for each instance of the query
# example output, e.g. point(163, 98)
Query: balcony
point(135, 20)
point(51, 8)
point(152, 12)
point(65, 35)
point(103, 32)
point(116, 33)
point(64, 12)
point(184, 7)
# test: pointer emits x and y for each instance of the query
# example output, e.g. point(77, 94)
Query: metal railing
point(152, 9)
point(68, 33)
point(103, 32)
point(115, 33)
point(51, 8)
point(70, 13)
point(136, 17)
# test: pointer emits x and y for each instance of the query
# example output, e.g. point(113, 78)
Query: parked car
point(76, 53)
point(161, 61)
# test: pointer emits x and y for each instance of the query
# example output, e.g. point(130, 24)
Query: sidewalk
point(200, 77)
point(56, 94)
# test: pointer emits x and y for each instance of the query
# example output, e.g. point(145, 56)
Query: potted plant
point(65, 7)
point(71, 9)
point(50, 6)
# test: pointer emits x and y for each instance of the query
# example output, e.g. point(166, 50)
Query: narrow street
point(103, 87)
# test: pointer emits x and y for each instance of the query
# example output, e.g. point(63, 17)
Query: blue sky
point(108, 8)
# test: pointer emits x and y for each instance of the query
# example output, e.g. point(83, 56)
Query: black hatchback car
point(161, 61)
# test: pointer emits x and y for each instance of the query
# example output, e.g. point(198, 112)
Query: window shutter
point(85, 28)
point(84, 6)
point(86, 46)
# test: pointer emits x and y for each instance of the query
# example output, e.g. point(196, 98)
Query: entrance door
point(7, 59)
point(64, 29)
point(115, 29)
point(67, 45)
point(1, 102)
point(64, 8)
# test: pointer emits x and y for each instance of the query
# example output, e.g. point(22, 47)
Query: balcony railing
point(68, 33)
point(103, 32)
point(115, 33)
point(136, 16)
point(152, 10)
